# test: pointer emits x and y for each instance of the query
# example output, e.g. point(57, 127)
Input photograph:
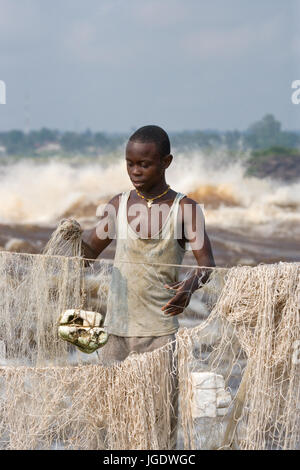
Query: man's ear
point(167, 160)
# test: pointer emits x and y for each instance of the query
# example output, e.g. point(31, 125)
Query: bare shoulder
point(187, 201)
point(190, 206)
point(108, 209)
point(115, 200)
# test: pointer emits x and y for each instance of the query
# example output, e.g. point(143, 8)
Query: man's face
point(145, 167)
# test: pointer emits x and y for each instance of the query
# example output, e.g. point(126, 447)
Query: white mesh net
point(235, 363)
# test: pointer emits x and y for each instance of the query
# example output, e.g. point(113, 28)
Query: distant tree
point(100, 139)
point(233, 139)
point(87, 138)
point(71, 141)
point(47, 135)
point(15, 141)
point(268, 133)
point(267, 126)
point(261, 135)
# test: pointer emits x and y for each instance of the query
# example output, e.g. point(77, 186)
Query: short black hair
point(153, 134)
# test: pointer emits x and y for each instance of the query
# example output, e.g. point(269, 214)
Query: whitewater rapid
point(43, 191)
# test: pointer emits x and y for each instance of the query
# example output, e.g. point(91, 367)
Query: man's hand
point(182, 297)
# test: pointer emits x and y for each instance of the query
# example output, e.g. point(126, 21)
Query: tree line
point(260, 135)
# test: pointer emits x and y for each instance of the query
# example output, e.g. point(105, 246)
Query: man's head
point(147, 157)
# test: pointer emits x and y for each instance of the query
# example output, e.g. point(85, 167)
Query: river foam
point(43, 191)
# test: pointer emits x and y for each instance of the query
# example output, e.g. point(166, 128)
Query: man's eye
point(144, 165)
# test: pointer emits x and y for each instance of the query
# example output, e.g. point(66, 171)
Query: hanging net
point(235, 363)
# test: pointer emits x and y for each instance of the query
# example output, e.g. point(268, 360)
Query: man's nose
point(136, 171)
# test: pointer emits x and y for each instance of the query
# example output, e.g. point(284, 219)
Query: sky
point(115, 65)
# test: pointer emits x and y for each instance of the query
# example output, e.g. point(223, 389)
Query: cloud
point(226, 43)
point(157, 13)
point(296, 33)
point(140, 59)
point(18, 19)
point(88, 43)
point(80, 41)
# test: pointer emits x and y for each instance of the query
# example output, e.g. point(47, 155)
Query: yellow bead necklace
point(150, 201)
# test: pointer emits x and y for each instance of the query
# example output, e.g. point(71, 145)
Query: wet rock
point(18, 245)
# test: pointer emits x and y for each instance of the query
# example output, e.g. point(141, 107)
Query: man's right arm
point(98, 238)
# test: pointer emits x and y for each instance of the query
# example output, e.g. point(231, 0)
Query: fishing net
point(235, 362)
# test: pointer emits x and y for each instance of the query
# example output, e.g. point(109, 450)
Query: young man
point(147, 157)
point(152, 225)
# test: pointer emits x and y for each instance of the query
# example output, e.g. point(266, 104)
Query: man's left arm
point(195, 234)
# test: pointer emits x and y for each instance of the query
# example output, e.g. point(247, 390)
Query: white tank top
point(137, 291)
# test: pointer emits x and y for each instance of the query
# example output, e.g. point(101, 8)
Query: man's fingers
point(173, 286)
point(170, 304)
point(172, 312)
point(171, 307)
point(183, 286)
point(174, 304)
point(176, 301)
point(179, 302)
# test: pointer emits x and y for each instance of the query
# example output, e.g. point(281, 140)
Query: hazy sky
point(118, 64)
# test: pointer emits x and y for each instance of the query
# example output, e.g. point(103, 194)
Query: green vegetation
point(263, 134)
point(276, 162)
point(47, 142)
point(268, 133)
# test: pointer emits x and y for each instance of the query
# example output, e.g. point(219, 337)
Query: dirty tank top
point(137, 291)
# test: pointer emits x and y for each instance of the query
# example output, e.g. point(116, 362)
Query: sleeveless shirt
point(137, 291)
